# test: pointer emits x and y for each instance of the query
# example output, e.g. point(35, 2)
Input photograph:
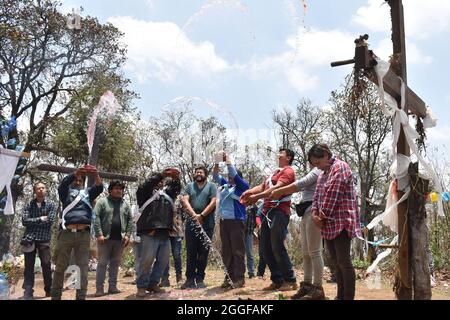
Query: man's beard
point(200, 179)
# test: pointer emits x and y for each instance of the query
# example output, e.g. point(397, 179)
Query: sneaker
point(99, 293)
point(316, 293)
point(201, 285)
point(261, 277)
point(288, 286)
point(113, 290)
point(273, 286)
point(239, 284)
point(164, 283)
point(179, 278)
point(155, 289)
point(251, 276)
point(141, 293)
point(305, 287)
point(189, 284)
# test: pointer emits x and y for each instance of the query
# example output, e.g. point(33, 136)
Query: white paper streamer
point(382, 255)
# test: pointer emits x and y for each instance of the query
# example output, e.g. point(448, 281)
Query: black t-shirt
point(116, 226)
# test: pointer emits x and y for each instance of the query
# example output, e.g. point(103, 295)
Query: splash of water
point(219, 110)
point(292, 7)
point(211, 4)
point(107, 107)
point(207, 243)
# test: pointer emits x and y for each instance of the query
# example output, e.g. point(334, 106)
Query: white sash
point(70, 207)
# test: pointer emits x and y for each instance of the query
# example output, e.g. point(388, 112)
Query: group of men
point(328, 208)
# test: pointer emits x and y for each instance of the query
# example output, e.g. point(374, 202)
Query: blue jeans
point(197, 253)
point(275, 252)
point(175, 243)
point(154, 259)
point(249, 255)
point(137, 250)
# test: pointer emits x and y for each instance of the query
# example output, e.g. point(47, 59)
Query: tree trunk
point(419, 235)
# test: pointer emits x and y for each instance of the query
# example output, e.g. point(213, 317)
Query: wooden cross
point(365, 60)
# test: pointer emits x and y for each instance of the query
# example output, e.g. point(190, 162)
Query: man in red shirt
point(335, 212)
point(275, 220)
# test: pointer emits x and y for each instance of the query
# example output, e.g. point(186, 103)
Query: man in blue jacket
point(232, 224)
point(74, 233)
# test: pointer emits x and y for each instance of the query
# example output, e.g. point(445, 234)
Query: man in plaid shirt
point(38, 218)
point(335, 212)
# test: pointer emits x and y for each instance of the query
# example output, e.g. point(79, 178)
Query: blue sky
point(252, 56)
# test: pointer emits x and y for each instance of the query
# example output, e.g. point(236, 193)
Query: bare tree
point(299, 130)
point(357, 130)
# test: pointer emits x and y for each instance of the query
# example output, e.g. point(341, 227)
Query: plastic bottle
point(4, 287)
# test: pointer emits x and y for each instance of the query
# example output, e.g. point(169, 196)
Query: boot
point(316, 293)
point(164, 283)
point(305, 287)
point(273, 286)
point(156, 289)
point(141, 293)
point(288, 286)
point(226, 283)
point(239, 283)
point(99, 293)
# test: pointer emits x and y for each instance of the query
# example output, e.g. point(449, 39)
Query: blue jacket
point(230, 208)
point(82, 212)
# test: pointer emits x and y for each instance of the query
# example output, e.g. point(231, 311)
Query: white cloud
point(160, 50)
point(422, 18)
point(439, 134)
point(308, 52)
point(413, 53)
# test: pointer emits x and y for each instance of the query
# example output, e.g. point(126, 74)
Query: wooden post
point(419, 234)
point(403, 287)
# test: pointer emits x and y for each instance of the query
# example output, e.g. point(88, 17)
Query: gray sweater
point(307, 185)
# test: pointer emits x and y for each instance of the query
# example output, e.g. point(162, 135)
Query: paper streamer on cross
point(401, 163)
point(8, 164)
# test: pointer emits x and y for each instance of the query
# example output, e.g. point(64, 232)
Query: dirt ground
point(252, 290)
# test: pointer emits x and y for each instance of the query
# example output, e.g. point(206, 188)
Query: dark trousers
point(109, 257)
point(339, 249)
point(43, 249)
point(275, 253)
point(262, 263)
point(232, 235)
point(175, 244)
point(197, 252)
point(80, 243)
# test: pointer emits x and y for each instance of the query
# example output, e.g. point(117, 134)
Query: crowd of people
point(169, 212)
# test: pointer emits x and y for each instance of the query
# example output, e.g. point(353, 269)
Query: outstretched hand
point(173, 173)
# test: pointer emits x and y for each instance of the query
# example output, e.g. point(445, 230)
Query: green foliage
point(360, 264)
point(11, 271)
point(439, 234)
point(128, 260)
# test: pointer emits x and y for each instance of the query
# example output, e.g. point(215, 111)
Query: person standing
point(37, 218)
point(311, 239)
point(156, 208)
point(335, 212)
point(176, 240)
point(250, 225)
point(199, 200)
point(232, 224)
point(74, 233)
point(275, 222)
point(113, 227)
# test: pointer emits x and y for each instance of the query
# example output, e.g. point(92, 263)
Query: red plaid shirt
point(335, 196)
